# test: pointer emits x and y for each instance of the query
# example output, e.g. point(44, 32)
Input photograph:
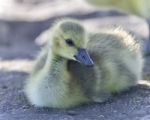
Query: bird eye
point(69, 42)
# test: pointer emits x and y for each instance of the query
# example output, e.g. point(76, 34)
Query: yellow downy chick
point(77, 67)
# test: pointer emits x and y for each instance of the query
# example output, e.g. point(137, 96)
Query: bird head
point(69, 40)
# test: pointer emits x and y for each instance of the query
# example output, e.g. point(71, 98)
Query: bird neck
point(55, 63)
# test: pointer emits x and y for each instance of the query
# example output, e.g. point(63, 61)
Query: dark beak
point(83, 57)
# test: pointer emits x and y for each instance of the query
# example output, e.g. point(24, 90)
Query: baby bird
point(137, 7)
point(77, 66)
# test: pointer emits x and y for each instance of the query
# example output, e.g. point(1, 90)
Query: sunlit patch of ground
point(144, 82)
point(16, 65)
point(28, 10)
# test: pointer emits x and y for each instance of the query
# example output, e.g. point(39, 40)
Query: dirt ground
point(20, 44)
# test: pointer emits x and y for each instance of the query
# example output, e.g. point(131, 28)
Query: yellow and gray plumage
point(77, 67)
point(136, 7)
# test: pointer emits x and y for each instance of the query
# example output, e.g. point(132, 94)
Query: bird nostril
point(84, 57)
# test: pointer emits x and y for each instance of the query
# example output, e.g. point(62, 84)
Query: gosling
point(137, 7)
point(78, 67)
